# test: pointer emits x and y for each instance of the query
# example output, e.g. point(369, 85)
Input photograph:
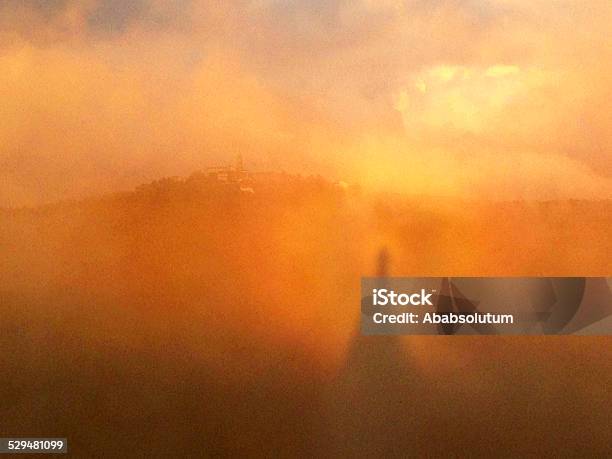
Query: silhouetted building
point(235, 175)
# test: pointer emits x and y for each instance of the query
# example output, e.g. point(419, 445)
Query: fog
point(185, 318)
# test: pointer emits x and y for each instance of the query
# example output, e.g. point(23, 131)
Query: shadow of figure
point(374, 395)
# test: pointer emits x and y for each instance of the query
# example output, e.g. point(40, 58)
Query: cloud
point(99, 94)
point(394, 164)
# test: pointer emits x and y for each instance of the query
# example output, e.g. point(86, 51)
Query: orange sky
point(499, 98)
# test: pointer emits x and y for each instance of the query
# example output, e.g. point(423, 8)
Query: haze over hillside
point(150, 311)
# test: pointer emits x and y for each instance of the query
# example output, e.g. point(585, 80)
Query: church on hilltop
point(232, 175)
